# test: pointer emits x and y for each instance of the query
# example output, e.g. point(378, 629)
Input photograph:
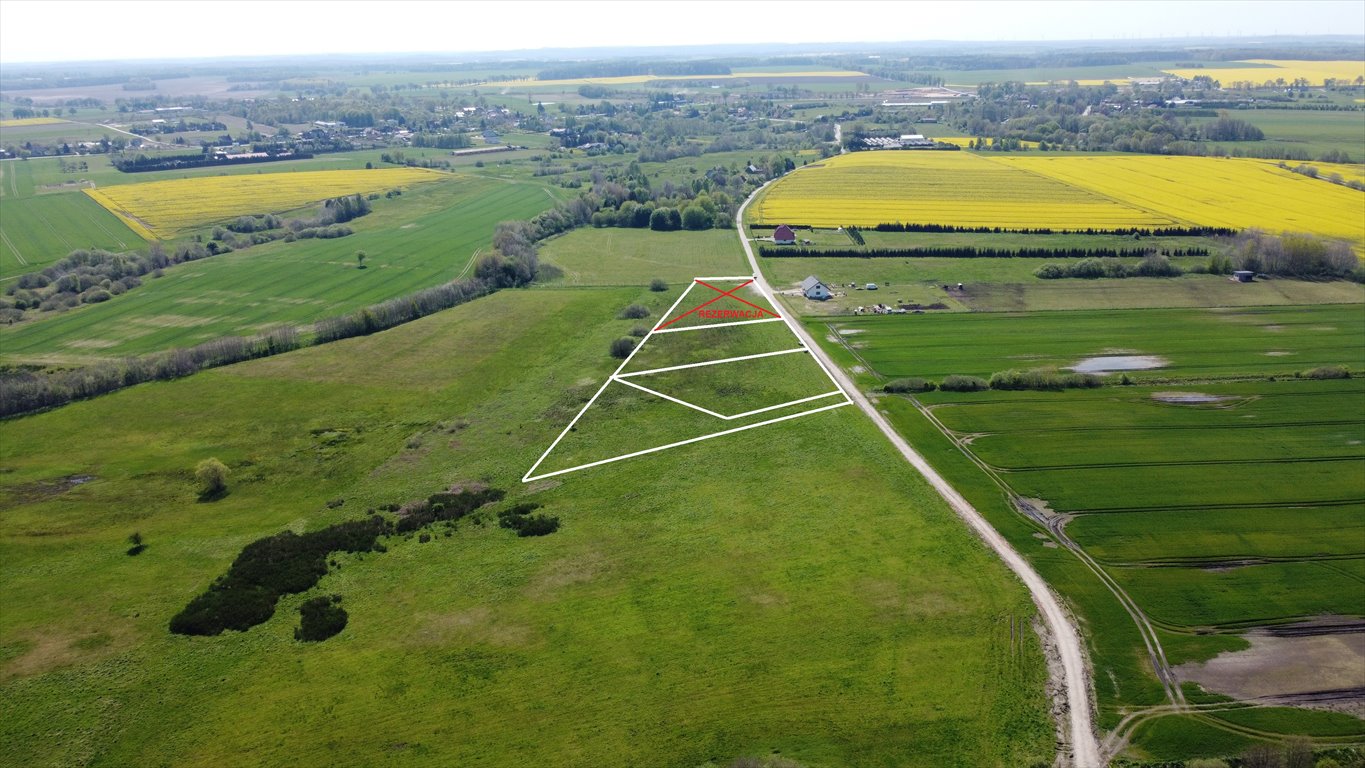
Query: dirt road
point(1085, 751)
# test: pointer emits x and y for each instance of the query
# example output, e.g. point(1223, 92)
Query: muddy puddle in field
point(1319, 663)
point(1116, 363)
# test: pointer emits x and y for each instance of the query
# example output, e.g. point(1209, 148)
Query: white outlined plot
point(695, 319)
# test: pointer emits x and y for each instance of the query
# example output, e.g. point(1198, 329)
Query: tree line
point(1128, 231)
point(142, 163)
point(972, 252)
point(513, 263)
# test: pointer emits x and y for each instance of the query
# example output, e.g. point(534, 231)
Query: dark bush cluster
point(622, 347)
point(960, 383)
point(286, 563)
point(320, 618)
point(1295, 255)
point(87, 277)
point(515, 261)
point(634, 312)
point(1043, 379)
point(1152, 265)
point(855, 235)
point(1325, 372)
point(344, 209)
point(912, 384)
point(248, 224)
point(442, 507)
point(520, 519)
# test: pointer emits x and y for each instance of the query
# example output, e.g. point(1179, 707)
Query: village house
point(813, 289)
point(784, 235)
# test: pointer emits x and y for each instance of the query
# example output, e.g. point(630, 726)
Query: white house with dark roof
point(812, 288)
point(784, 235)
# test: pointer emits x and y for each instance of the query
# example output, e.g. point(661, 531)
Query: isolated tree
point(211, 475)
point(658, 285)
point(1262, 756)
point(360, 257)
point(137, 544)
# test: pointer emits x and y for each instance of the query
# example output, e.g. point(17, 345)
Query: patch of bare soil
point(47, 652)
point(476, 625)
point(1278, 353)
point(1189, 398)
point(45, 489)
point(1298, 667)
point(579, 569)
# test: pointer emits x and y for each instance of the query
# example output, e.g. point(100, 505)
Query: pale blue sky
point(50, 30)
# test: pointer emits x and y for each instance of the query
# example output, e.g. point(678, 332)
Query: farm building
point(784, 235)
point(812, 288)
point(1243, 276)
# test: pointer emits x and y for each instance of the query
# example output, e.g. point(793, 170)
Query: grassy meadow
point(640, 255)
point(677, 617)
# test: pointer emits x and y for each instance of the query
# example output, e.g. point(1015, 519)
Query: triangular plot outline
point(662, 327)
point(669, 321)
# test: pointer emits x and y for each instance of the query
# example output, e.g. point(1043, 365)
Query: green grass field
point(426, 237)
point(1194, 342)
point(636, 256)
point(701, 604)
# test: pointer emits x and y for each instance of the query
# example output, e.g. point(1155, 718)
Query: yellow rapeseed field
point(158, 209)
point(1218, 192)
point(23, 121)
point(1314, 71)
point(929, 187)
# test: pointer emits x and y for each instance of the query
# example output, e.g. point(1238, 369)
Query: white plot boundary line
point(527, 477)
point(710, 362)
point(670, 397)
point(722, 416)
point(720, 325)
point(692, 440)
point(616, 376)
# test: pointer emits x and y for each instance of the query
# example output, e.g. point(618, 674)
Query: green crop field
point(1204, 342)
point(706, 603)
point(1312, 131)
point(424, 238)
point(37, 231)
point(1237, 509)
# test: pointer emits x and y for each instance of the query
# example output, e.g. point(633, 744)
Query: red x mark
point(723, 294)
